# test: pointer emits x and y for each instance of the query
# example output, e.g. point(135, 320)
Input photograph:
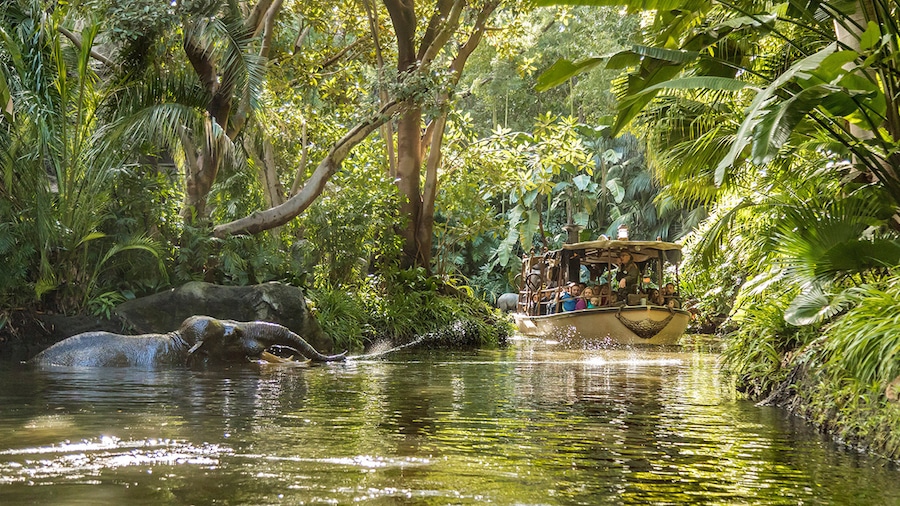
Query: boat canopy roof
point(608, 250)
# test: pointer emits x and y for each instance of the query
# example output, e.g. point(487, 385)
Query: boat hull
point(627, 325)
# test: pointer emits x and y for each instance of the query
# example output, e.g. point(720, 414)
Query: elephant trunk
point(269, 334)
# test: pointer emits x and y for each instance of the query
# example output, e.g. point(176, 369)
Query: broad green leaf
point(831, 68)
point(747, 22)
point(663, 54)
point(776, 126)
point(531, 228)
point(841, 103)
point(612, 156)
point(859, 256)
point(562, 71)
point(623, 59)
point(652, 72)
point(616, 190)
point(504, 251)
point(758, 108)
point(581, 218)
point(581, 181)
point(874, 108)
point(870, 37)
point(812, 306)
point(700, 83)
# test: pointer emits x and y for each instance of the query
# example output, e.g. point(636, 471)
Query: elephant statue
point(201, 337)
point(508, 302)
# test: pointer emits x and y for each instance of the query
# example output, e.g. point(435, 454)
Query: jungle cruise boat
point(619, 319)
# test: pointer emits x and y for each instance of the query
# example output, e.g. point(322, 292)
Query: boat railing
point(537, 302)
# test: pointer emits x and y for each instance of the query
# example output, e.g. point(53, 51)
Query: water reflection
point(529, 425)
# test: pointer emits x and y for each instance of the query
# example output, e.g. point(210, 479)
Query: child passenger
point(590, 297)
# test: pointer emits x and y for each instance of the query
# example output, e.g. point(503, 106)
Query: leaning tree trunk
point(201, 167)
point(848, 31)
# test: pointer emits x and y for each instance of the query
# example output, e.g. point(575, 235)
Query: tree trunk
point(412, 143)
point(409, 163)
point(204, 155)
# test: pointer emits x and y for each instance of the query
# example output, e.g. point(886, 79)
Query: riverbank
point(842, 375)
point(864, 418)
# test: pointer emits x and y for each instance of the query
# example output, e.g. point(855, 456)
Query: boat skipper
point(629, 274)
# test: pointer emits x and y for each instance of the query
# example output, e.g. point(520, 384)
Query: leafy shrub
point(405, 304)
point(755, 350)
point(864, 344)
point(342, 315)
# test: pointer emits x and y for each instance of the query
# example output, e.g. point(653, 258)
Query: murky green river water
point(527, 425)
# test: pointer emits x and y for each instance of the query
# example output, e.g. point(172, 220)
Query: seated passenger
point(580, 302)
point(569, 297)
point(671, 296)
point(587, 295)
point(535, 306)
point(604, 295)
point(654, 298)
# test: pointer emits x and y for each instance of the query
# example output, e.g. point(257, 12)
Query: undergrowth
point(404, 305)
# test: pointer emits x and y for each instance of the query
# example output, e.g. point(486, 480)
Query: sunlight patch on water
point(646, 361)
point(90, 457)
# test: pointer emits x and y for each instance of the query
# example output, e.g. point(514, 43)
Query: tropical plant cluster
point(783, 120)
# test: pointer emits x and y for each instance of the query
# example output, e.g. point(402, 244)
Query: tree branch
point(76, 39)
point(264, 220)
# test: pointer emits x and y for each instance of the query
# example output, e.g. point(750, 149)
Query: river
point(531, 424)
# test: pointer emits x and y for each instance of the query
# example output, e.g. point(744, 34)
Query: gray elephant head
point(231, 341)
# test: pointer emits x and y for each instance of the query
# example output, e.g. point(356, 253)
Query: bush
point(405, 304)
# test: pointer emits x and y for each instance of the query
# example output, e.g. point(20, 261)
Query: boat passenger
point(588, 296)
point(671, 296)
point(581, 301)
point(654, 298)
point(604, 295)
point(535, 308)
point(569, 296)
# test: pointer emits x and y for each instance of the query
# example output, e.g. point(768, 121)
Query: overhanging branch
point(279, 215)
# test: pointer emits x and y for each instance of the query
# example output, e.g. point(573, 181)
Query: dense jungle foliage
point(783, 121)
point(397, 158)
